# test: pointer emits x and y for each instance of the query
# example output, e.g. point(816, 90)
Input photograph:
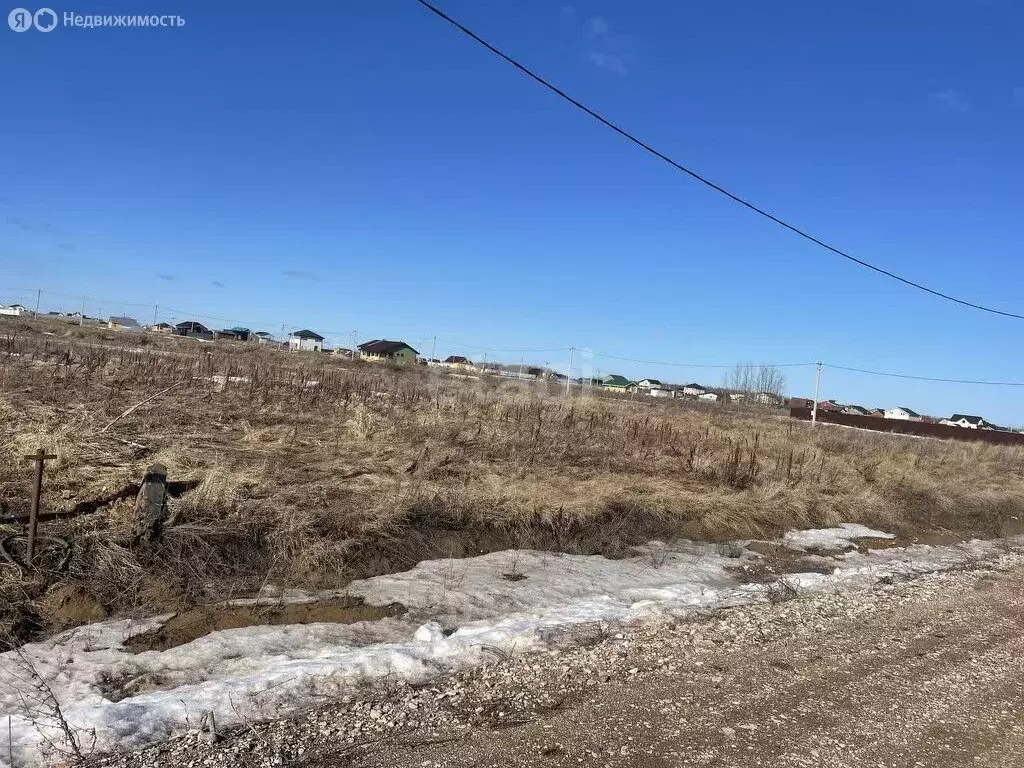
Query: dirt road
point(931, 682)
point(925, 673)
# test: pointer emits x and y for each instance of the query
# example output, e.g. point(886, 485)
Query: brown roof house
point(385, 351)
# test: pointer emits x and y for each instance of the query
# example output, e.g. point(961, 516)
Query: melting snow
point(459, 611)
point(832, 538)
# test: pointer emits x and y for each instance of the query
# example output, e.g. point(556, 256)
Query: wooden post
point(39, 457)
point(150, 505)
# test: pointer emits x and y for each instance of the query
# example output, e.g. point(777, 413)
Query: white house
point(902, 413)
point(660, 392)
point(966, 421)
point(767, 398)
point(648, 384)
point(12, 309)
point(710, 396)
point(691, 390)
point(306, 341)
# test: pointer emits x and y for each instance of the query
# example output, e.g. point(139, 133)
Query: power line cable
point(497, 349)
point(926, 378)
point(701, 365)
point(703, 180)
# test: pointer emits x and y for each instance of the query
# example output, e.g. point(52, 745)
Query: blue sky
point(364, 166)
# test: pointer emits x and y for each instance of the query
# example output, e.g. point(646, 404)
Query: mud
point(186, 626)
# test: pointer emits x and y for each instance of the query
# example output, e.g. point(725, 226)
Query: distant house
point(263, 337)
point(830, 405)
point(692, 390)
point(767, 398)
point(737, 397)
point(615, 383)
point(646, 384)
point(877, 413)
point(306, 341)
point(709, 396)
point(967, 422)
point(902, 413)
point(238, 334)
point(799, 402)
point(162, 328)
point(15, 310)
point(193, 329)
point(385, 351)
point(654, 388)
point(458, 362)
point(855, 410)
point(123, 324)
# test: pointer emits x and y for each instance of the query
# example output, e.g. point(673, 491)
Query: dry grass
point(312, 472)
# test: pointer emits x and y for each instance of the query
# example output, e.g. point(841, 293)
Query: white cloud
point(597, 26)
point(608, 61)
point(604, 48)
point(949, 101)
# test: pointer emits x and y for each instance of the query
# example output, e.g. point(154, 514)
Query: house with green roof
point(615, 383)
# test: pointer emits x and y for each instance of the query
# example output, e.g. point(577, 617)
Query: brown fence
point(919, 428)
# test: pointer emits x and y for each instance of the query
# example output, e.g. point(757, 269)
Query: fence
point(918, 428)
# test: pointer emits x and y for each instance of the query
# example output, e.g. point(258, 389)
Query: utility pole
point(353, 355)
point(156, 308)
point(817, 386)
point(81, 320)
point(568, 374)
point(39, 293)
point(433, 348)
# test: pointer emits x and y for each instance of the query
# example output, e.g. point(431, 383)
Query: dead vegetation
point(300, 470)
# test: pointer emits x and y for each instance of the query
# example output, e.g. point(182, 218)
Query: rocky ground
point(922, 673)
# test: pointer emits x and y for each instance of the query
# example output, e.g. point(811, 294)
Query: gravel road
point(923, 673)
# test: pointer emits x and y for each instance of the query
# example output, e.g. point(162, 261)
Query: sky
point(365, 168)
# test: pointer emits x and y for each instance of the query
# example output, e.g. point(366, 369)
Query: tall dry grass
point(311, 471)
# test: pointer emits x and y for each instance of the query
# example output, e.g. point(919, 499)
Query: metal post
point(353, 356)
point(433, 349)
point(39, 457)
point(156, 308)
point(39, 293)
point(568, 374)
point(817, 388)
point(81, 320)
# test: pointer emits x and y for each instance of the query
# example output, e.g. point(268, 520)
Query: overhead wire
point(699, 177)
point(699, 365)
point(925, 378)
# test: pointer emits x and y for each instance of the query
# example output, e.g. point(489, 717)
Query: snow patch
point(461, 612)
point(832, 538)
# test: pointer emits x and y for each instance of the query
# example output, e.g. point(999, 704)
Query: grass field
point(308, 471)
